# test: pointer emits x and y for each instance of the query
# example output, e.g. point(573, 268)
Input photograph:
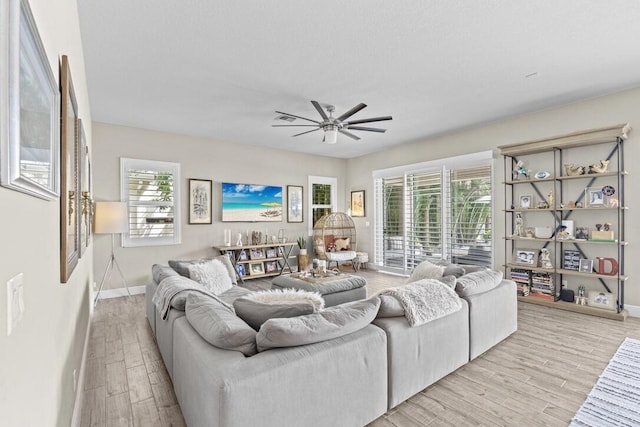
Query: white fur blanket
point(425, 300)
point(171, 286)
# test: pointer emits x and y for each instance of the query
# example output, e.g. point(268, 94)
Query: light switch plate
point(15, 302)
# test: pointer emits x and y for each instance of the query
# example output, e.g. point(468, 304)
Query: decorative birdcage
point(334, 238)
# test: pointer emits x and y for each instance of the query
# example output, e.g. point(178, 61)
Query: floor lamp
point(111, 218)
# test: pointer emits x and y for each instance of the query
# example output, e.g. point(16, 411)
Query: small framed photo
point(200, 201)
point(586, 265)
point(256, 268)
point(582, 233)
point(241, 270)
point(294, 203)
point(527, 257)
point(595, 197)
point(526, 201)
point(257, 253)
point(272, 253)
point(357, 203)
point(571, 260)
point(271, 266)
point(242, 256)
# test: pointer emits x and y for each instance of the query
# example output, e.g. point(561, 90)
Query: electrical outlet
point(15, 302)
point(564, 283)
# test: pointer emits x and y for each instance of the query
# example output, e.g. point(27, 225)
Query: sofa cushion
point(453, 270)
point(426, 270)
point(257, 308)
point(330, 323)
point(219, 326)
point(182, 266)
point(160, 272)
point(473, 268)
point(478, 282)
point(232, 294)
point(449, 280)
point(389, 307)
point(213, 275)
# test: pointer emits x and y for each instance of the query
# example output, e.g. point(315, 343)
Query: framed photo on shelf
point(582, 233)
point(200, 201)
point(571, 260)
point(357, 203)
point(272, 253)
point(271, 266)
point(257, 253)
point(242, 256)
point(528, 257)
point(295, 203)
point(241, 271)
point(586, 266)
point(595, 197)
point(256, 268)
point(526, 201)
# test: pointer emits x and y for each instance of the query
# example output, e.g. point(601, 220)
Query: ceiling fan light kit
point(332, 125)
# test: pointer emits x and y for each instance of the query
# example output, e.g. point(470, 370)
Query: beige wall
point(38, 359)
point(604, 111)
point(201, 159)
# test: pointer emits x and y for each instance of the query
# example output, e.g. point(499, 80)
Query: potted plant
point(303, 258)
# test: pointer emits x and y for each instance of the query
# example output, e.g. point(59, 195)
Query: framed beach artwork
point(251, 203)
point(357, 203)
point(200, 201)
point(294, 203)
point(29, 106)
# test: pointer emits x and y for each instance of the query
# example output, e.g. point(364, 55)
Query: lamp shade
point(330, 135)
point(111, 217)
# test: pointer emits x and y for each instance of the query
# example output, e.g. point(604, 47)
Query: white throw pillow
point(213, 275)
point(426, 270)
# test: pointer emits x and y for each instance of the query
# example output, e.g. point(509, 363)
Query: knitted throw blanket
point(425, 300)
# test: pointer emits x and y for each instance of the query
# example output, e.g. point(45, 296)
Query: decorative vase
point(303, 262)
point(303, 251)
point(239, 241)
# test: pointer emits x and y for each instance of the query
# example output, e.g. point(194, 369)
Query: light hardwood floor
point(537, 377)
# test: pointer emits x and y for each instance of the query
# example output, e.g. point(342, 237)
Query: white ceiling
point(220, 69)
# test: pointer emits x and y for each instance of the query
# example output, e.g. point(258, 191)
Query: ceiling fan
point(332, 125)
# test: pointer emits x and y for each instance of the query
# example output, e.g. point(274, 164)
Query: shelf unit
point(556, 192)
point(259, 261)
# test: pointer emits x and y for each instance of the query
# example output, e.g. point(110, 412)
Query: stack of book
point(521, 277)
point(542, 286)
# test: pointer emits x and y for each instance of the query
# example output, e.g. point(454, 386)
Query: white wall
point(201, 159)
point(604, 111)
point(38, 359)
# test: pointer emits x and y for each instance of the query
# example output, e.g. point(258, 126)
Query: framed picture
point(272, 253)
point(571, 260)
point(29, 105)
point(295, 203)
point(200, 201)
point(527, 257)
point(595, 198)
point(271, 266)
point(256, 268)
point(241, 271)
point(357, 203)
point(586, 266)
point(69, 200)
point(526, 201)
point(242, 256)
point(582, 233)
point(257, 253)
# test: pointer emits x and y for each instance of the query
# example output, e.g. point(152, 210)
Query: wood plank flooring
point(537, 377)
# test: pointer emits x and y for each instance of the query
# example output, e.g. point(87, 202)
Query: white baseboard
point(633, 310)
point(77, 406)
point(121, 292)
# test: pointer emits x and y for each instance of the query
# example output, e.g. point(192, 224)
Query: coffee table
point(335, 289)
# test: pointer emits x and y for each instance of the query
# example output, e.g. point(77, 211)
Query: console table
point(257, 261)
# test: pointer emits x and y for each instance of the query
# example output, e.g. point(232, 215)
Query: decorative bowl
point(543, 232)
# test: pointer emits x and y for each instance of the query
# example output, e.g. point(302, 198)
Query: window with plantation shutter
point(434, 210)
point(151, 190)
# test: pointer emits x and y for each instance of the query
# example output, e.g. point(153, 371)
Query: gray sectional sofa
point(348, 380)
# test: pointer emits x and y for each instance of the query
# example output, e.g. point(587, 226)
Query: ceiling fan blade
point(298, 117)
point(367, 129)
point(286, 126)
point(309, 131)
point(349, 134)
point(373, 119)
point(320, 110)
point(351, 112)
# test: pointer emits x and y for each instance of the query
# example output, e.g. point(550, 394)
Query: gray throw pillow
point(473, 268)
point(390, 307)
point(330, 323)
point(449, 280)
point(453, 270)
point(256, 313)
point(230, 295)
point(161, 272)
point(219, 326)
point(426, 270)
point(478, 282)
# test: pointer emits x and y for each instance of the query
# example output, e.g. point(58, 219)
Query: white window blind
point(322, 198)
point(151, 190)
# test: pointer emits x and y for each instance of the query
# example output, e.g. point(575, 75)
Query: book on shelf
point(541, 295)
